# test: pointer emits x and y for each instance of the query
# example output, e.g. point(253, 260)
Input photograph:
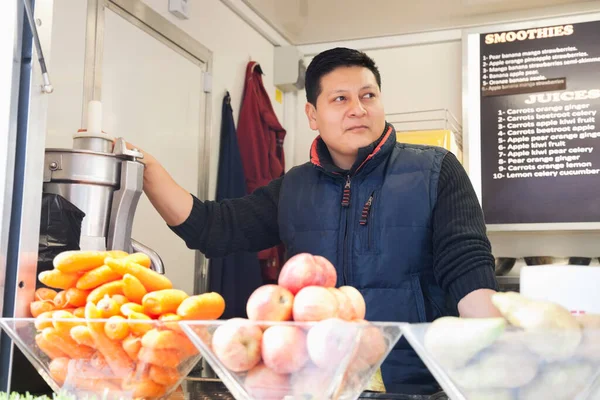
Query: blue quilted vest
point(375, 227)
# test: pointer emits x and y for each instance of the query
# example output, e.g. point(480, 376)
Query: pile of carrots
point(108, 321)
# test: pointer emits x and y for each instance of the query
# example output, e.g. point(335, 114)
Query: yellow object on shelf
point(442, 138)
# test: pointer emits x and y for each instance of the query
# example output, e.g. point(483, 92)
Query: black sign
point(540, 140)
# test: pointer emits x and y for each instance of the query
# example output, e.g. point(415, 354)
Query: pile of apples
point(298, 333)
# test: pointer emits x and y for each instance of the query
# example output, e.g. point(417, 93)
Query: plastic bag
point(60, 229)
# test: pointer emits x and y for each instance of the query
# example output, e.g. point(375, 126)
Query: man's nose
point(357, 109)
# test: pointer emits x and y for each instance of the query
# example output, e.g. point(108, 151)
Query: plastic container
point(331, 359)
point(150, 363)
point(512, 365)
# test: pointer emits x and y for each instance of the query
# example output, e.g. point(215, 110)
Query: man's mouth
point(357, 128)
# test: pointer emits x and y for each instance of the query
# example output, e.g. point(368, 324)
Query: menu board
point(540, 135)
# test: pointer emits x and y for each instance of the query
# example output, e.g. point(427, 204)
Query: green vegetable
point(27, 396)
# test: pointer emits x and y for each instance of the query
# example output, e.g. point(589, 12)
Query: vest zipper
point(346, 193)
point(346, 204)
point(364, 220)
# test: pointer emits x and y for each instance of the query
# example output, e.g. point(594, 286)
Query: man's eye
point(370, 95)
point(339, 98)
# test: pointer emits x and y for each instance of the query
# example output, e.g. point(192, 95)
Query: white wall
point(233, 42)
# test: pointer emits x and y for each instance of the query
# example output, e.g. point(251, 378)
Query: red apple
point(314, 303)
point(331, 342)
point(264, 383)
point(330, 272)
point(357, 300)
point(284, 348)
point(237, 343)
point(345, 308)
point(304, 270)
point(372, 345)
point(270, 303)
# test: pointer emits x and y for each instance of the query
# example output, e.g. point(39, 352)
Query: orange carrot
point(60, 322)
point(79, 312)
point(113, 352)
point(164, 340)
point(45, 294)
point(59, 368)
point(137, 323)
point(164, 376)
point(206, 306)
point(162, 358)
point(133, 288)
point(132, 345)
point(108, 307)
point(116, 328)
point(44, 320)
point(117, 254)
point(171, 321)
point(78, 261)
point(60, 300)
point(97, 277)
point(40, 306)
point(140, 258)
point(66, 344)
point(91, 315)
point(57, 279)
point(120, 299)
point(141, 386)
point(109, 289)
point(151, 280)
point(82, 335)
point(76, 297)
point(128, 308)
point(50, 349)
point(163, 301)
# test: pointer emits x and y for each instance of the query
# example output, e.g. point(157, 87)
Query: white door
point(153, 97)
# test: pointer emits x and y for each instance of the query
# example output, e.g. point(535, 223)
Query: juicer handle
point(157, 263)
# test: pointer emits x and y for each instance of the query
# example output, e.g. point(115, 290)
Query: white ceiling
point(317, 21)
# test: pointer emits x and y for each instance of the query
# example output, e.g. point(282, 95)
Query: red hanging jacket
point(260, 138)
point(260, 135)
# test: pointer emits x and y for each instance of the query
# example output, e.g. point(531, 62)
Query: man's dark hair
point(327, 61)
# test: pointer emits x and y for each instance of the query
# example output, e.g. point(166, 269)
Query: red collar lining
point(314, 153)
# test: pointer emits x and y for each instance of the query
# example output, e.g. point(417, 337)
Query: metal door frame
point(151, 22)
point(8, 142)
point(28, 125)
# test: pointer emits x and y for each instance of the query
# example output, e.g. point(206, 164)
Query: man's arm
point(214, 228)
point(463, 262)
point(478, 304)
point(172, 202)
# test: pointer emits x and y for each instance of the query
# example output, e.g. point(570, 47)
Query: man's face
point(349, 112)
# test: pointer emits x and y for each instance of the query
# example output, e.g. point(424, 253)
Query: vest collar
point(367, 156)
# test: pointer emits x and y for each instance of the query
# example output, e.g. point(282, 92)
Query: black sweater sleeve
point(248, 223)
point(462, 256)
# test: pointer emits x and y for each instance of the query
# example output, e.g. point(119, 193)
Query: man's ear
point(311, 113)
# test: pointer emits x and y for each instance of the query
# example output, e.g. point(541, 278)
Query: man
point(400, 222)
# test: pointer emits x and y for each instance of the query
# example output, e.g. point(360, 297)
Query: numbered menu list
point(540, 97)
point(547, 142)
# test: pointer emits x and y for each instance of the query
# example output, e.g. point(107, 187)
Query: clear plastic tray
point(103, 370)
point(515, 365)
point(331, 359)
